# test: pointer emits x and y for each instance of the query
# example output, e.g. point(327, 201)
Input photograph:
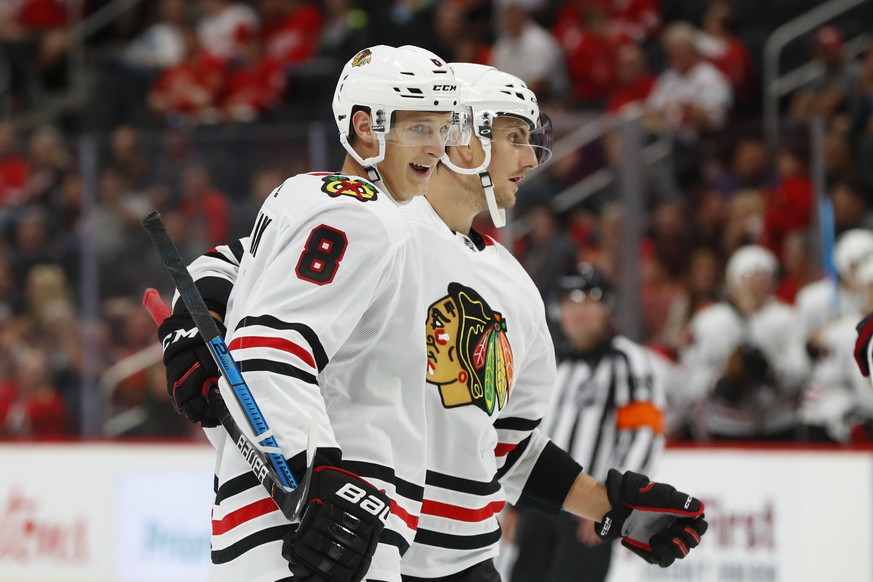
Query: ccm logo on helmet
point(370, 504)
point(445, 87)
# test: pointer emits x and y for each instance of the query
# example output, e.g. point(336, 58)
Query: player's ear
point(363, 128)
point(462, 155)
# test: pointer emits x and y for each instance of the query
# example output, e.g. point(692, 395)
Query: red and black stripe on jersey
point(317, 354)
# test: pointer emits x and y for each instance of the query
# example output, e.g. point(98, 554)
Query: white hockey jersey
point(821, 302)
point(717, 331)
point(321, 321)
point(491, 371)
point(836, 389)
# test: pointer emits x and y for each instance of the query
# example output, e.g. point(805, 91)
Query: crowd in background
point(173, 84)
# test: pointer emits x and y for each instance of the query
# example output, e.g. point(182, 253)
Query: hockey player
point(837, 398)
point(314, 321)
point(826, 300)
point(745, 366)
point(490, 361)
point(606, 412)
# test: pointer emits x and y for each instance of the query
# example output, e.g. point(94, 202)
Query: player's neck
point(448, 195)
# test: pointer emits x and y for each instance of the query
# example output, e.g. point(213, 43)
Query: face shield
point(430, 131)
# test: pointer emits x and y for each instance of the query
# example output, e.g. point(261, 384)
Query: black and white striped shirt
point(606, 410)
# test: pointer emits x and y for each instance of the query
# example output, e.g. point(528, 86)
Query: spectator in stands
point(745, 220)
point(290, 32)
point(37, 410)
point(14, 169)
point(720, 45)
point(746, 370)
point(639, 20)
point(862, 104)
point(851, 205)
point(49, 160)
point(462, 29)
point(548, 252)
point(701, 289)
point(590, 52)
point(692, 96)
point(161, 44)
point(749, 168)
point(190, 91)
point(634, 20)
point(347, 28)
point(829, 93)
point(33, 244)
point(206, 208)
point(634, 81)
point(126, 155)
point(224, 26)
point(255, 82)
point(788, 206)
point(527, 50)
point(797, 265)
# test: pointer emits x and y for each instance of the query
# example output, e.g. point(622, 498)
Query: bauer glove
point(655, 521)
point(191, 371)
point(340, 528)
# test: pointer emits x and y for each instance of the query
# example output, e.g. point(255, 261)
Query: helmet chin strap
point(498, 215)
point(369, 164)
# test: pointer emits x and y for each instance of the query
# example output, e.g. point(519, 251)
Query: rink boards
point(102, 512)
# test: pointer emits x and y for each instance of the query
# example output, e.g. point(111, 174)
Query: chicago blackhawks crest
point(337, 185)
point(469, 358)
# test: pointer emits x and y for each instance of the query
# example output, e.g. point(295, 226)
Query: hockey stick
point(267, 461)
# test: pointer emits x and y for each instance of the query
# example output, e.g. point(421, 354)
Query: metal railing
point(775, 86)
point(115, 424)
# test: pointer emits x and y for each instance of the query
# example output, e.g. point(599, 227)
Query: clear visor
point(462, 129)
point(539, 139)
point(433, 131)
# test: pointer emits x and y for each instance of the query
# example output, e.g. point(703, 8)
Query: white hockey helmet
point(385, 79)
point(747, 261)
point(487, 93)
point(852, 247)
point(864, 272)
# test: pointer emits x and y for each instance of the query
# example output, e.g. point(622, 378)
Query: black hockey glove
point(862, 344)
point(191, 371)
point(655, 521)
point(340, 529)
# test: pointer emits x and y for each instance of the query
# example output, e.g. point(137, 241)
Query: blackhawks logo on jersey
point(337, 185)
point(468, 354)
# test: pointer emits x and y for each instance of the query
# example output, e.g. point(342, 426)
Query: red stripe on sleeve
point(461, 513)
point(242, 515)
point(275, 343)
point(410, 520)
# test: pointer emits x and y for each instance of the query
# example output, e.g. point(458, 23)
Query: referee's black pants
point(549, 551)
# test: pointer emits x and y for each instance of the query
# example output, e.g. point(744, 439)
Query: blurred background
point(685, 130)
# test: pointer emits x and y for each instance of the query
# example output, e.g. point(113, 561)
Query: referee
point(606, 412)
